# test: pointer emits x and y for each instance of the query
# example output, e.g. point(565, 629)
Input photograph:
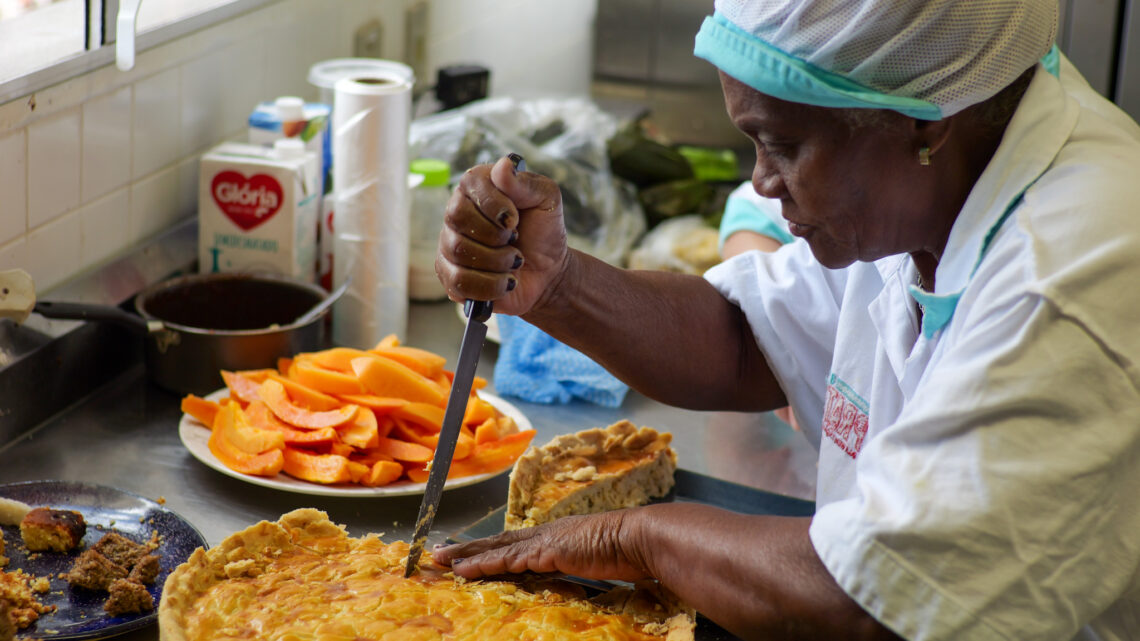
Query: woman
point(957, 332)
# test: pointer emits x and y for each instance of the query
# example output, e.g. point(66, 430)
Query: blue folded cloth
point(535, 367)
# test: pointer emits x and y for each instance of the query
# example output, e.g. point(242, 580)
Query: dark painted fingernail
point(518, 262)
point(511, 284)
point(503, 217)
point(514, 236)
point(517, 161)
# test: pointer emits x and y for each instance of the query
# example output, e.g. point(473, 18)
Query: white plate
point(195, 436)
point(492, 325)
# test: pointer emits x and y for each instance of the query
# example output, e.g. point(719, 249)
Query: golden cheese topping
point(335, 588)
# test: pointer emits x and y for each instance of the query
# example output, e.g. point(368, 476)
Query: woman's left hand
point(589, 546)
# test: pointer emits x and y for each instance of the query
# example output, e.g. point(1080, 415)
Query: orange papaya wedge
point(404, 451)
point(264, 464)
point(241, 388)
point(236, 429)
point(201, 409)
point(261, 416)
point(316, 468)
point(382, 473)
point(362, 432)
point(273, 393)
point(385, 377)
point(425, 415)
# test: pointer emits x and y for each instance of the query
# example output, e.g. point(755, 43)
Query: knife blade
point(477, 312)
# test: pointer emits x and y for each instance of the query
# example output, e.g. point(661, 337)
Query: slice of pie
point(303, 577)
point(591, 471)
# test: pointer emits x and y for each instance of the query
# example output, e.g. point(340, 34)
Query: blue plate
point(79, 613)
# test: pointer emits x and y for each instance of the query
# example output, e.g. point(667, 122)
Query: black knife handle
point(479, 310)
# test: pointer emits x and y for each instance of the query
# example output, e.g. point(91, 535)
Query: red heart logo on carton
point(248, 202)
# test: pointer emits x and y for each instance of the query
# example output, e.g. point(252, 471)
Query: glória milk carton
point(258, 208)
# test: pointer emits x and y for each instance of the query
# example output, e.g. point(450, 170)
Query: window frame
point(100, 18)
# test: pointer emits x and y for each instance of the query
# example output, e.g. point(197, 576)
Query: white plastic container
point(429, 202)
point(292, 117)
point(258, 208)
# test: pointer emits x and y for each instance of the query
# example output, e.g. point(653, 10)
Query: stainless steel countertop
point(125, 435)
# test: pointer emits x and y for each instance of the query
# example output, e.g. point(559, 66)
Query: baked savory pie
point(591, 471)
point(303, 577)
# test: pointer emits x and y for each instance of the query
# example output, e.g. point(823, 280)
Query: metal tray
point(688, 487)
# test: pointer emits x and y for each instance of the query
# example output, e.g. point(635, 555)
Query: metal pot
point(195, 326)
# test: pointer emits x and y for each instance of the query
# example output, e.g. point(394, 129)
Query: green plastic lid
point(435, 172)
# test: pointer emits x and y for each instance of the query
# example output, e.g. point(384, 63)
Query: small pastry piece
point(45, 529)
point(128, 597)
point(7, 626)
point(145, 570)
point(120, 550)
point(591, 471)
point(94, 571)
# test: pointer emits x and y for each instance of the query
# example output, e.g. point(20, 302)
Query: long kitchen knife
point(477, 312)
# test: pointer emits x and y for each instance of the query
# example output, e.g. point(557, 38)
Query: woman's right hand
point(503, 238)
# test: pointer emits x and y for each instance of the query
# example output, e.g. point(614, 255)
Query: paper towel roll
point(371, 115)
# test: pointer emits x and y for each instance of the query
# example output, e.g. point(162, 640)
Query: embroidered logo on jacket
point(845, 416)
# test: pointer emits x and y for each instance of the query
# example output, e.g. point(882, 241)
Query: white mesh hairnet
point(948, 53)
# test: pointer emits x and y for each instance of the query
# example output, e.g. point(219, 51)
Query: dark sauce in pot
point(230, 303)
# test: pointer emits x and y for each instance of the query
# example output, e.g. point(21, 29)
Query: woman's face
point(853, 193)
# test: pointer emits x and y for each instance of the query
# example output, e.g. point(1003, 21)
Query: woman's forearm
point(670, 336)
point(757, 576)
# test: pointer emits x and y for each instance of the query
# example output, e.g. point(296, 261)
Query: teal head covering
point(927, 59)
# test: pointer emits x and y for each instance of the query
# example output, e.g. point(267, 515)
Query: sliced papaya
point(426, 363)
point(385, 377)
point(201, 409)
point(232, 423)
point(391, 340)
point(265, 464)
point(378, 404)
point(463, 445)
point(324, 380)
point(241, 388)
point(404, 451)
point(316, 468)
point(478, 411)
point(306, 396)
point(405, 431)
point(338, 358)
point(273, 393)
point(382, 473)
point(261, 416)
point(362, 431)
point(370, 456)
point(487, 431)
point(426, 415)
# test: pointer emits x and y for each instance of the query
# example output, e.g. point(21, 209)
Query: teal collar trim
point(776, 73)
point(1052, 61)
point(937, 309)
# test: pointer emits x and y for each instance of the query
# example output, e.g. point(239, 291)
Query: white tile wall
point(53, 167)
point(157, 140)
point(106, 143)
point(95, 164)
point(13, 186)
point(103, 230)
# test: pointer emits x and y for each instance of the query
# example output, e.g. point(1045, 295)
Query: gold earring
point(924, 155)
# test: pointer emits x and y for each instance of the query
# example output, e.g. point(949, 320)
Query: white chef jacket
point(981, 479)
